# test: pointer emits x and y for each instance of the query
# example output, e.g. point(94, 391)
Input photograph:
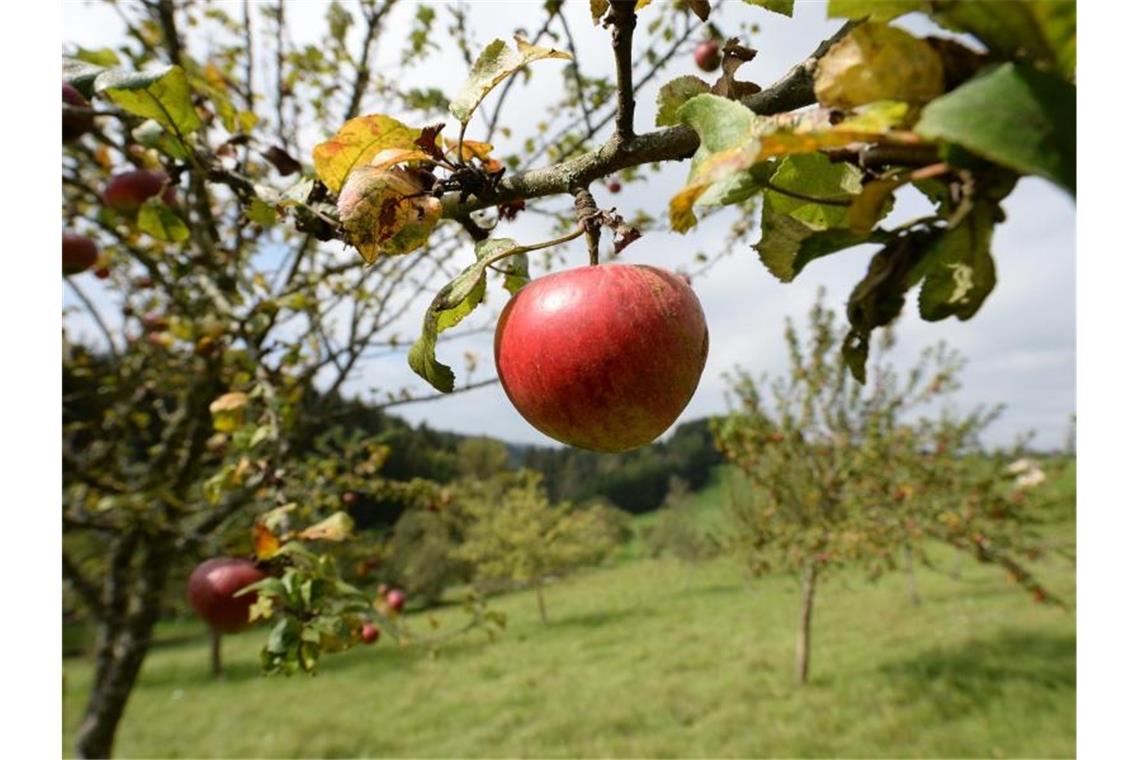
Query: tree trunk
point(124, 639)
point(912, 579)
point(803, 638)
point(216, 654)
point(541, 601)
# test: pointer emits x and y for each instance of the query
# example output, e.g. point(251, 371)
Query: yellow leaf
point(878, 62)
point(598, 9)
point(336, 527)
point(228, 411)
point(356, 143)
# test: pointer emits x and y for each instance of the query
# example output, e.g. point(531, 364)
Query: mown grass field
point(649, 657)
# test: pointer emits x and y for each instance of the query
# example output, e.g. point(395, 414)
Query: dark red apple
point(395, 600)
point(614, 186)
point(211, 592)
point(369, 633)
point(76, 125)
point(602, 357)
point(707, 55)
point(79, 253)
point(127, 191)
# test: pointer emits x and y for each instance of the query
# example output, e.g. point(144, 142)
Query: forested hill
point(635, 481)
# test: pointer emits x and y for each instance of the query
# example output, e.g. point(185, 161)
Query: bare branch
point(437, 396)
point(363, 68)
point(94, 316)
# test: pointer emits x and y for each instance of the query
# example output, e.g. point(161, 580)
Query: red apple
point(211, 592)
point(348, 497)
point(369, 633)
point(602, 357)
point(127, 191)
point(707, 55)
point(614, 186)
point(395, 600)
point(75, 125)
point(79, 253)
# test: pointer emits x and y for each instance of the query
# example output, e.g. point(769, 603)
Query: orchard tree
point(845, 474)
point(216, 201)
point(515, 534)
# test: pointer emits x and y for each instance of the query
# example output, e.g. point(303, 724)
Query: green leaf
point(1014, 116)
point(162, 95)
point(674, 95)
point(152, 134)
point(789, 225)
point(450, 306)
point(104, 57)
point(816, 176)
point(261, 212)
point(959, 268)
point(1039, 32)
point(879, 297)
point(159, 221)
point(494, 64)
point(81, 75)
point(517, 268)
point(875, 10)
point(783, 7)
point(878, 62)
point(787, 245)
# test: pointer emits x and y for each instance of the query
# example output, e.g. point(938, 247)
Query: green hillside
point(651, 657)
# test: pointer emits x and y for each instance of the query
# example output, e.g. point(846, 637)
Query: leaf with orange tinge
point(869, 206)
point(356, 143)
point(265, 544)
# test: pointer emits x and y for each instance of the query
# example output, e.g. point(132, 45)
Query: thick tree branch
point(622, 19)
point(87, 590)
point(794, 90)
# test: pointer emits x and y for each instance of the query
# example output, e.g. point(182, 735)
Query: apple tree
point(514, 534)
point(845, 474)
point(213, 172)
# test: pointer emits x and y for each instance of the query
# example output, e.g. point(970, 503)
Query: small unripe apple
point(707, 55)
point(79, 253)
point(211, 592)
point(614, 186)
point(395, 600)
point(602, 357)
point(127, 191)
point(369, 633)
point(76, 125)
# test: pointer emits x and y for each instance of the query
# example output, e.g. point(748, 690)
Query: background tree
point(845, 474)
point(515, 534)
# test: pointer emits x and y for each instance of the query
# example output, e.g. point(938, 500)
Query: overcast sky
point(1021, 346)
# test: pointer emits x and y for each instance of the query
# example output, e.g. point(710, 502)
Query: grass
point(649, 658)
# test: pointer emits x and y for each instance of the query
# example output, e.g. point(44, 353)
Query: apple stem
point(587, 211)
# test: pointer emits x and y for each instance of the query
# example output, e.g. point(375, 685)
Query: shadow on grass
point(967, 678)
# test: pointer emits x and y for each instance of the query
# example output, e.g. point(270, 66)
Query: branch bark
point(793, 90)
point(622, 20)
